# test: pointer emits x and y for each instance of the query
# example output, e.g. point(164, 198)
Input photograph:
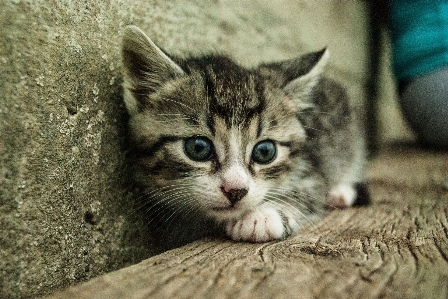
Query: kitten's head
point(214, 137)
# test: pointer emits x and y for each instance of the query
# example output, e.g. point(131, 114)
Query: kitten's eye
point(264, 152)
point(198, 148)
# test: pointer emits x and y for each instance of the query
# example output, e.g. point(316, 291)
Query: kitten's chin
point(225, 213)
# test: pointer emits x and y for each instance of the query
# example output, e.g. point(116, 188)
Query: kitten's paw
point(257, 226)
point(341, 196)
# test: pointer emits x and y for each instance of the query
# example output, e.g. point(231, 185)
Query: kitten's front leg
point(347, 195)
point(261, 225)
point(341, 196)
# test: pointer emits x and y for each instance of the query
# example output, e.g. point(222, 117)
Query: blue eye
point(264, 152)
point(199, 148)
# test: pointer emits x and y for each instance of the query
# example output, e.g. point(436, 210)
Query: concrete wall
point(66, 205)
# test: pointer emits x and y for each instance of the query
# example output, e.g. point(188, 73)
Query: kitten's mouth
point(227, 211)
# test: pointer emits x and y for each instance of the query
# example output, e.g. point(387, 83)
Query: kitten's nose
point(234, 195)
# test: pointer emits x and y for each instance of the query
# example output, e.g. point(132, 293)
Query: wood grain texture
point(395, 248)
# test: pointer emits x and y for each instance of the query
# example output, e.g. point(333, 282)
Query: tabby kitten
point(256, 153)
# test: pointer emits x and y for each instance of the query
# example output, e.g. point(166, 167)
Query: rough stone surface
point(66, 210)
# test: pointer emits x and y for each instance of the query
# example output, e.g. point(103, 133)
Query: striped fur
point(318, 147)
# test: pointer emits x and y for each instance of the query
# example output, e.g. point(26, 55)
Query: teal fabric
point(419, 37)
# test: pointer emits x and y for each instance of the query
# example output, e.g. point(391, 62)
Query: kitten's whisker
point(149, 193)
point(154, 194)
point(184, 204)
point(294, 210)
point(293, 193)
point(168, 192)
point(292, 202)
point(185, 209)
point(167, 207)
point(161, 192)
point(295, 197)
point(276, 198)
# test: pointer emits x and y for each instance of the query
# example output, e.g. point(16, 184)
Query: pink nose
point(234, 195)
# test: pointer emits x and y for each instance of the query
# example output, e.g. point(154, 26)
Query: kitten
point(257, 153)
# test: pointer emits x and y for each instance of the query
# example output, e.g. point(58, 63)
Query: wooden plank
point(395, 248)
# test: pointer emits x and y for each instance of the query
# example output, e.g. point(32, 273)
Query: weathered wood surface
point(395, 248)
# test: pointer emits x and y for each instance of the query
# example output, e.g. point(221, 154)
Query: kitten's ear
point(300, 75)
point(312, 65)
point(145, 68)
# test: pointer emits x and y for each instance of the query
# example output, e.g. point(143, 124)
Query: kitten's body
point(256, 153)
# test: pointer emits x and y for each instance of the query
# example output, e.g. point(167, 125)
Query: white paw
point(257, 226)
point(341, 196)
